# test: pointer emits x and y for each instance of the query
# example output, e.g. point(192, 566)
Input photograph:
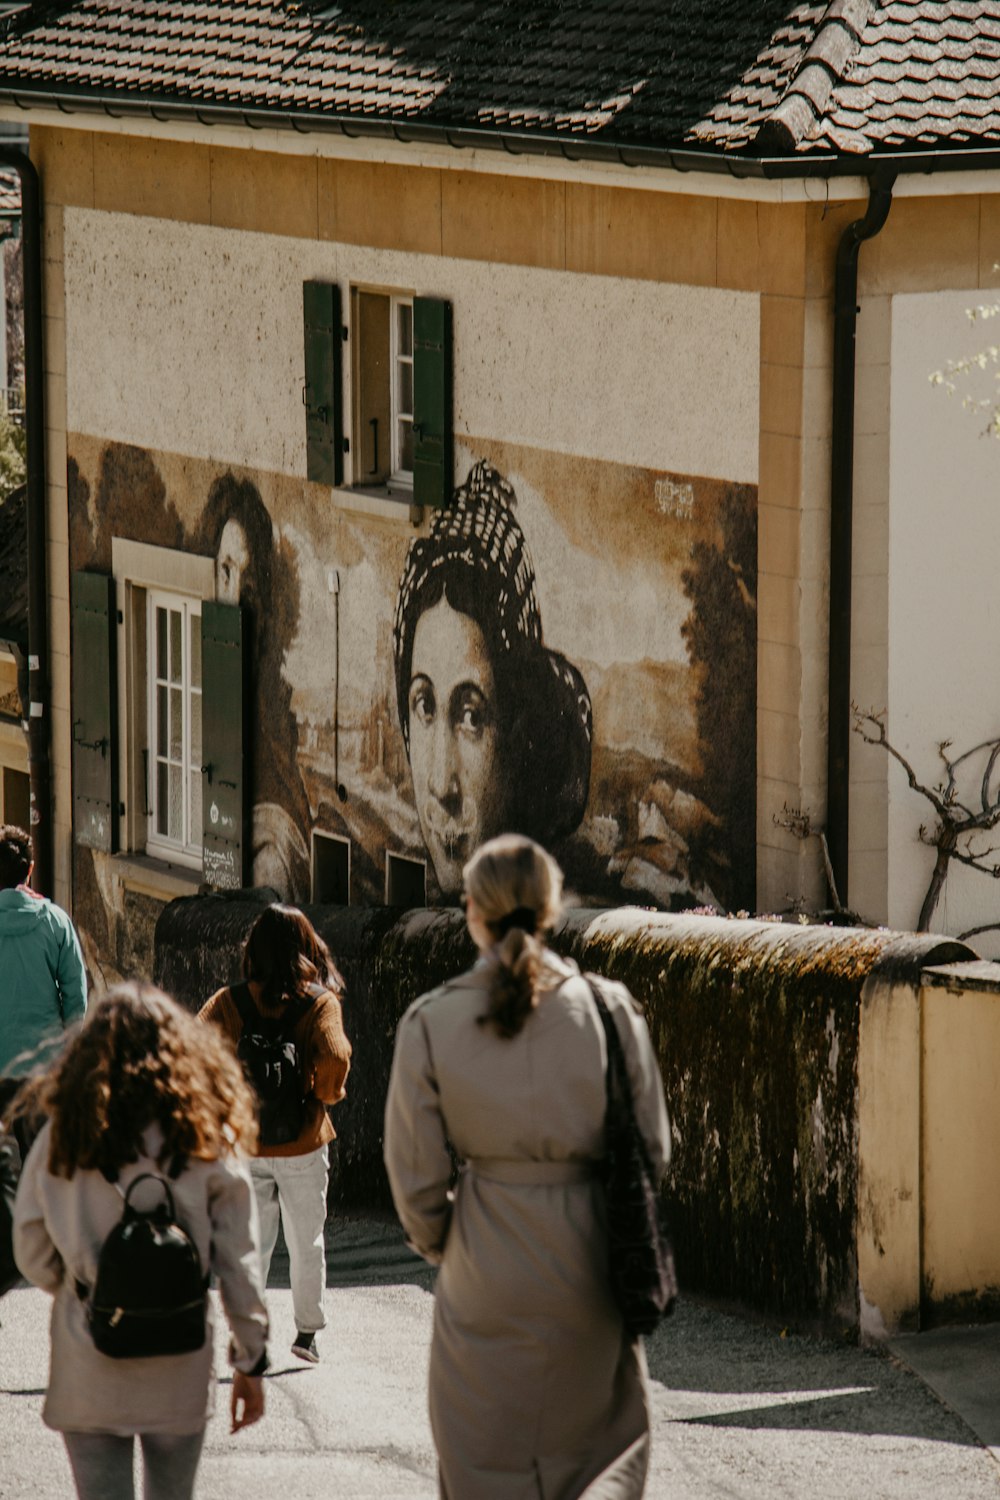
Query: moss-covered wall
point(756, 1028)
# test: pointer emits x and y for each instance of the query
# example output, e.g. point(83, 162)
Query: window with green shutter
point(322, 394)
point(95, 711)
point(401, 443)
point(225, 825)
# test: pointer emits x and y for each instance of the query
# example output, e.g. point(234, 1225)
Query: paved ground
point(740, 1411)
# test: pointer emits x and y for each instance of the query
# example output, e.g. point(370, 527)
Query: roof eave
point(742, 164)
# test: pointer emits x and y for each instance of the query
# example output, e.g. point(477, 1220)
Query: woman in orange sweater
point(291, 994)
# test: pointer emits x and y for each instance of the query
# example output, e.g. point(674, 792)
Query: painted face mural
point(233, 556)
point(453, 739)
point(497, 727)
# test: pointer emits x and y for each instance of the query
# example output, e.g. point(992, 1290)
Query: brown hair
point(285, 954)
point(517, 888)
point(137, 1060)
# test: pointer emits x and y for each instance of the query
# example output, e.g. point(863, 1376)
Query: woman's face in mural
point(453, 740)
point(233, 556)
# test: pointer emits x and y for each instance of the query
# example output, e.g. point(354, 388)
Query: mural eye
point(422, 702)
point(471, 714)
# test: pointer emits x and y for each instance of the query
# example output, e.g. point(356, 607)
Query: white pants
point(295, 1187)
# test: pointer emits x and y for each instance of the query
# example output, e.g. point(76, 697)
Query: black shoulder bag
point(640, 1256)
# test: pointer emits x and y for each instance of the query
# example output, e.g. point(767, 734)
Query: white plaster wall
point(944, 601)
point(189, 339)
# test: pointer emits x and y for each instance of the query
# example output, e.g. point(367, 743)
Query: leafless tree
point(961, 824)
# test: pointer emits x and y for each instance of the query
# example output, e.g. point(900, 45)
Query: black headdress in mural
point(476, 553)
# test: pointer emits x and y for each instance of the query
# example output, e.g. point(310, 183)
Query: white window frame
point(188, 848)
point(140, 568)
point(398, 360)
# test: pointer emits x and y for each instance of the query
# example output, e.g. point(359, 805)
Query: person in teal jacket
point(43, 982)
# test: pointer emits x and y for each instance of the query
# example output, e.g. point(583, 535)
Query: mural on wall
point(569, 649)
point(497, 727)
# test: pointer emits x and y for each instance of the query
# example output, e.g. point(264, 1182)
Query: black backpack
point(271, 1062)
point(149, 1295)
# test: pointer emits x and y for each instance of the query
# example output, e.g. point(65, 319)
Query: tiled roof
point(925, 73)
point(764, 76)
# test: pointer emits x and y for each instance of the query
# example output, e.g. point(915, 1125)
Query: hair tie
point(521, 916)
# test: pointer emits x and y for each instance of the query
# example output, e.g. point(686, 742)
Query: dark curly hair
point(137, 1060)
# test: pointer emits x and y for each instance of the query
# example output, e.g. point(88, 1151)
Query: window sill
point(389, 504)
point(155, 877)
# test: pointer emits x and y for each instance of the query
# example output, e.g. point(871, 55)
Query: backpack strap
point(276, 1027)
point(241, 997)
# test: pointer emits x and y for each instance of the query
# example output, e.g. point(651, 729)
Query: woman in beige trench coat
point(536, 1390)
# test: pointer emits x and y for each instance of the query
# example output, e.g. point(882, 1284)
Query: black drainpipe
point(842, 519)
point(37, 707)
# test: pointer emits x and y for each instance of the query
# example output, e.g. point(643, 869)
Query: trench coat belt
point(524, 1173)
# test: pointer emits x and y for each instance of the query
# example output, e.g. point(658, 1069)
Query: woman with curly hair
point(141, 1088)
point(536, 1388)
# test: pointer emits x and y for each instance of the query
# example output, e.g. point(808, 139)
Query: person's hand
point(247, 1405)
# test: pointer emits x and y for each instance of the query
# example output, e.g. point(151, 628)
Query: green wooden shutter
point(323, 389)
point(432, 402)
point(225, 830)
point(95, 711)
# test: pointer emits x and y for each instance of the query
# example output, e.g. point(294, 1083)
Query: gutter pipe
point(36, 721)
point(515, 143)
point(842, 521)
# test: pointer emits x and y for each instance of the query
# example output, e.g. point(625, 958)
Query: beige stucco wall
point(400, 222)
point(563, 361)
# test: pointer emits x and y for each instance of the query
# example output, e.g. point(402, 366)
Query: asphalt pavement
point(741, 1409)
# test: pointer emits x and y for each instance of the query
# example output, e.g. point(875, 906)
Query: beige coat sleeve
point(37, 1258)
point(417, 1158)
point(232, 1208)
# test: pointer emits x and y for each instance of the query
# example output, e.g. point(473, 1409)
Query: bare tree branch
point(957, 821)
point(860, 720)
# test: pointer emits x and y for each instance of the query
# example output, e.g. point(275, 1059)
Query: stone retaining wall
point(756, 1025)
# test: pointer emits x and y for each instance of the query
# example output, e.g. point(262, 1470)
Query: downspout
point(36, 708)
point(842, 521)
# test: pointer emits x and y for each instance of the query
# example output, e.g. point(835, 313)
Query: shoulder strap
point(616, 1073)
point(241, 997)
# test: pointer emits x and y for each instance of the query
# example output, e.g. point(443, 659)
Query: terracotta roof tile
point(736, 75)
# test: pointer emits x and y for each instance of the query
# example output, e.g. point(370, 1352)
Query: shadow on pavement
point(710, 1368)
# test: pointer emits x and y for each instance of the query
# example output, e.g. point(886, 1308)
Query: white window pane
point(161, 643)
point(195, 651)
point(404, 438)
point(404, 388)
point(175, 819)
point(162, 824)
point(196, 730)
point(161, 721)
point(176, 646)
point(176, 724)
point(404, 327)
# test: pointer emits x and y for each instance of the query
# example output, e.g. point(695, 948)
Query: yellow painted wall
point(928, 1147)
point(960, 1136)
